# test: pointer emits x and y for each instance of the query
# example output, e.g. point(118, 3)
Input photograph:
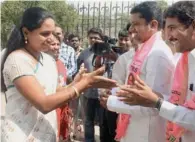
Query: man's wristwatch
point(159, 103)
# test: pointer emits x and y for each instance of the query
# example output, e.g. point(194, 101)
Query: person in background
point(92, 104)
point(66, 40)
point(64, 113)
point(134, 41)
point(124, 40)
point(67, 55)
point(78, 104)
point(108, 119)
point(122, 63)
point(30, 81)
point(75, 42)
point(180, 109)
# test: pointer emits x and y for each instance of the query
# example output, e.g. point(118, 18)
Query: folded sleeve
point(115, 105)
point(178, 114)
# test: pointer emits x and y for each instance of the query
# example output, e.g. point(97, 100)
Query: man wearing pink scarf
point(152, 61)
point(179, 110)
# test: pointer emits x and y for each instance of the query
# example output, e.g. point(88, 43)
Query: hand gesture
point(139, 94)
point(96, 80)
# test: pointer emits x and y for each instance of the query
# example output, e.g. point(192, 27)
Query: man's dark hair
point(71, 36)
point(123, 33)
point(184, 11)
point(149, 10)
point(95, 31)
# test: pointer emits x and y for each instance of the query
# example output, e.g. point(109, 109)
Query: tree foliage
point(163, 4)
point(11, 12)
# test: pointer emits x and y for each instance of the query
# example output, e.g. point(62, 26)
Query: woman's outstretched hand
point(94, 79)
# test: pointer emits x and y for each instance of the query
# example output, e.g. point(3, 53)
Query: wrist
point(81, 86)
point(159, 103)
point(154, 98)
point(75, 91)
point(72, 96)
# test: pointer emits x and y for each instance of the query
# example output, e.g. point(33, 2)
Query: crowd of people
point(52, 85)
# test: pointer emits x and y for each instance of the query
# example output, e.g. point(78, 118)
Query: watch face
point(159, 103)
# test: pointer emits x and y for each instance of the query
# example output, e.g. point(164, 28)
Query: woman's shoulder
point(17, 56)
point(17, 53)
point(17, 64)
point(21, 55)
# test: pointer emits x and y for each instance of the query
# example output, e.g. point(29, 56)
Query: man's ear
point(193, 24)
point(154, 24)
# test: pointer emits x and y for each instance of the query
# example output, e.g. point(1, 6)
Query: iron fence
point(109, 16)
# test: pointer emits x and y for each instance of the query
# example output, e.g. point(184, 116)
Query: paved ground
point(96, 135)
point(3, 113)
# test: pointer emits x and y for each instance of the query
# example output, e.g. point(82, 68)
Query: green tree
point(163, 4)
point(11, 12)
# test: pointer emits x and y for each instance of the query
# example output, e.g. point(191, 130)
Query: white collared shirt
point(176, 57)
point(183, 116)
point(145, 125)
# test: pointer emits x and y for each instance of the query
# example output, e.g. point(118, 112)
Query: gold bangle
point(76, 91)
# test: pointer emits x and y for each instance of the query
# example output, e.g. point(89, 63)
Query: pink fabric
point(63, 113)
point(135, 68)
point(62, 71)
point(191, 103)
point(178, 97)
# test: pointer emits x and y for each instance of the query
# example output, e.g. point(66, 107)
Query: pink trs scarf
point(178, 97)
point(135, 68)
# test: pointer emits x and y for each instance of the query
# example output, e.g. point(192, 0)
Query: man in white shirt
point(180, 18)
point(145, 124)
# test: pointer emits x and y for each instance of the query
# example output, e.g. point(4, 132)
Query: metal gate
point(109, 16)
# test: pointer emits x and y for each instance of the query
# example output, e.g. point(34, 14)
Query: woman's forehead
point(48, 24)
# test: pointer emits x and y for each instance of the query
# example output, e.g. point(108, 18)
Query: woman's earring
point(25, 40)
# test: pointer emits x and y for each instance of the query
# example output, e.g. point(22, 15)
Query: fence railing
point(109, 16)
